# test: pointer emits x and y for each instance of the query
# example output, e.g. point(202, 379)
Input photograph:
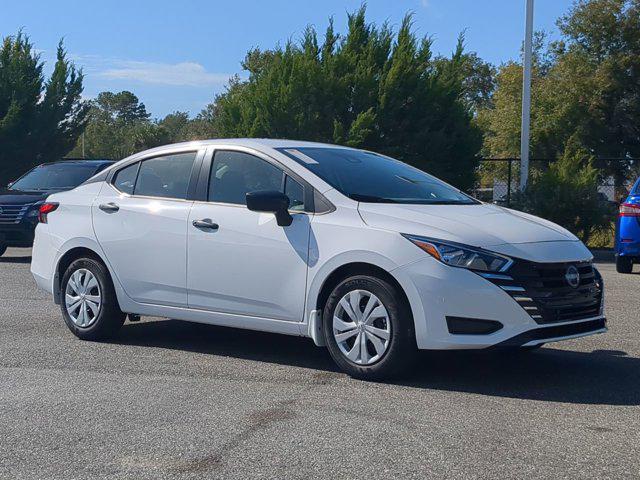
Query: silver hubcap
point(82, 298)
point(361, 327)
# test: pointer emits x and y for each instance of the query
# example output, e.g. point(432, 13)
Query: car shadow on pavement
point(550, 374)
point(607, 377)
point(226, 342)
point(15, 259)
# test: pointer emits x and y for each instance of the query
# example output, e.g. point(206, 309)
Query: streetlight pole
point(526, 97)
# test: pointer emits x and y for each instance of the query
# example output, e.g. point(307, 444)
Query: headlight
point(33, 210)
point(462, 256)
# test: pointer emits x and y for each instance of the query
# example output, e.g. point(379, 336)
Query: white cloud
point(425, 3)
point(176, 74)
point(190, 74)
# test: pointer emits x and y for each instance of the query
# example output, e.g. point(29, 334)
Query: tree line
point(377, 88)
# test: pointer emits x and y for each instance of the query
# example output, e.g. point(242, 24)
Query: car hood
point(481, 225)
point(19, 197)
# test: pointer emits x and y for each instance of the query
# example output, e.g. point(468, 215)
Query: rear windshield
point(57, 176)
point(369, 177)
point(636, 189)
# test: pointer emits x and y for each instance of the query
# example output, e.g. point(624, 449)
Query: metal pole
point(83, 156)
point(509, 176)
point(526, 97)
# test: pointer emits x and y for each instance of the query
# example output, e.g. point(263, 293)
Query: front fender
point(312, 326)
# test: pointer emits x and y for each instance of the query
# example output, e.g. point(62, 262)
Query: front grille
point(543, 291)
point(12, 214)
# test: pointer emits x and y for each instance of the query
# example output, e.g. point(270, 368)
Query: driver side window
point(234, 174)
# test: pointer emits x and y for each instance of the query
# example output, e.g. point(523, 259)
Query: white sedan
point(360, 252)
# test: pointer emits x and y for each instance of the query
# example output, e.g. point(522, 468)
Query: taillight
point(45, 209)
point(629, 210)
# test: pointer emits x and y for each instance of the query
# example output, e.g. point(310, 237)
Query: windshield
point(56, 176)
point(368, 177)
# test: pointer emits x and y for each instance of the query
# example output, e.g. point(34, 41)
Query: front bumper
point(18, 235)
point(436, 291)
point(556, 333)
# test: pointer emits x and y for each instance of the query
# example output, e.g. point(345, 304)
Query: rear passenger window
point(125, 179)
point(166, 177)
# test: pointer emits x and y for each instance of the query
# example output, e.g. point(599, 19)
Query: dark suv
point(19, 202)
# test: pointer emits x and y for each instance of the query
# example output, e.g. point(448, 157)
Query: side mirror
point(271, 202)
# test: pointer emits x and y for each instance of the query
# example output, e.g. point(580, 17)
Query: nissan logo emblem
point(572, 276)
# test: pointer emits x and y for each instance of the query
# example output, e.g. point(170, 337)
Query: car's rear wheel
point(89, 304)
point(368, 328)
point(624, 264)
point(3, 248)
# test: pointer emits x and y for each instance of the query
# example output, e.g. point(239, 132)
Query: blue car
point(628, 232)
point(19, 202)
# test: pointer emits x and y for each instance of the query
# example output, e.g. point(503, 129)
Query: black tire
point(3, 248)
point(109, 318)
point(401, 349)
point(624, 264)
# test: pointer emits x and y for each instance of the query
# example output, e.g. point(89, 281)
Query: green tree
point(122, 106)
point(176, 124)
point(118, 126)
point(567, 194)
point(370, 88)
point(202, 126)
point(585, 87)
point(40, 119)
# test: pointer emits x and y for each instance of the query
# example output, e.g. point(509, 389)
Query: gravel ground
point(168, 399)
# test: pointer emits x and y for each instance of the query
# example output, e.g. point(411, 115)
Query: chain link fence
point(499, 178)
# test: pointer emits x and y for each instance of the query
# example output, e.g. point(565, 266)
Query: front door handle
point(109, 207)
point(205, 224)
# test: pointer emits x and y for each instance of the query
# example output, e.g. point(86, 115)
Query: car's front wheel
point(368, 328)
point(89, 304)
point(624, 264)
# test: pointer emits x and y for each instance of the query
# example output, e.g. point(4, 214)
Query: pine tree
point(40, 120)
point(370, 89)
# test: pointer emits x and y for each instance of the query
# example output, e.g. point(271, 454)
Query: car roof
point(255, 143)
point(265, 142)
point(243, 142)
point(86, 161)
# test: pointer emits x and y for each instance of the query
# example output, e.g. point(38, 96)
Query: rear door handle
point(205, 224)
point(109, 207)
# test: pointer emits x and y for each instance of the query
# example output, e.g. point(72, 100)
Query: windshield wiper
point(371, 198)
point(450, 202)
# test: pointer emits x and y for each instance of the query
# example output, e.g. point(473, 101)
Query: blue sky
point(175, 55)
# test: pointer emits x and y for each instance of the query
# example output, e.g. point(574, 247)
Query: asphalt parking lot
point(167, 399)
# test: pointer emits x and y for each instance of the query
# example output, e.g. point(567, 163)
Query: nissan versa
point(358, 251)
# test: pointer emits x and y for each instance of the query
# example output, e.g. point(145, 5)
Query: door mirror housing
point(271, 202)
